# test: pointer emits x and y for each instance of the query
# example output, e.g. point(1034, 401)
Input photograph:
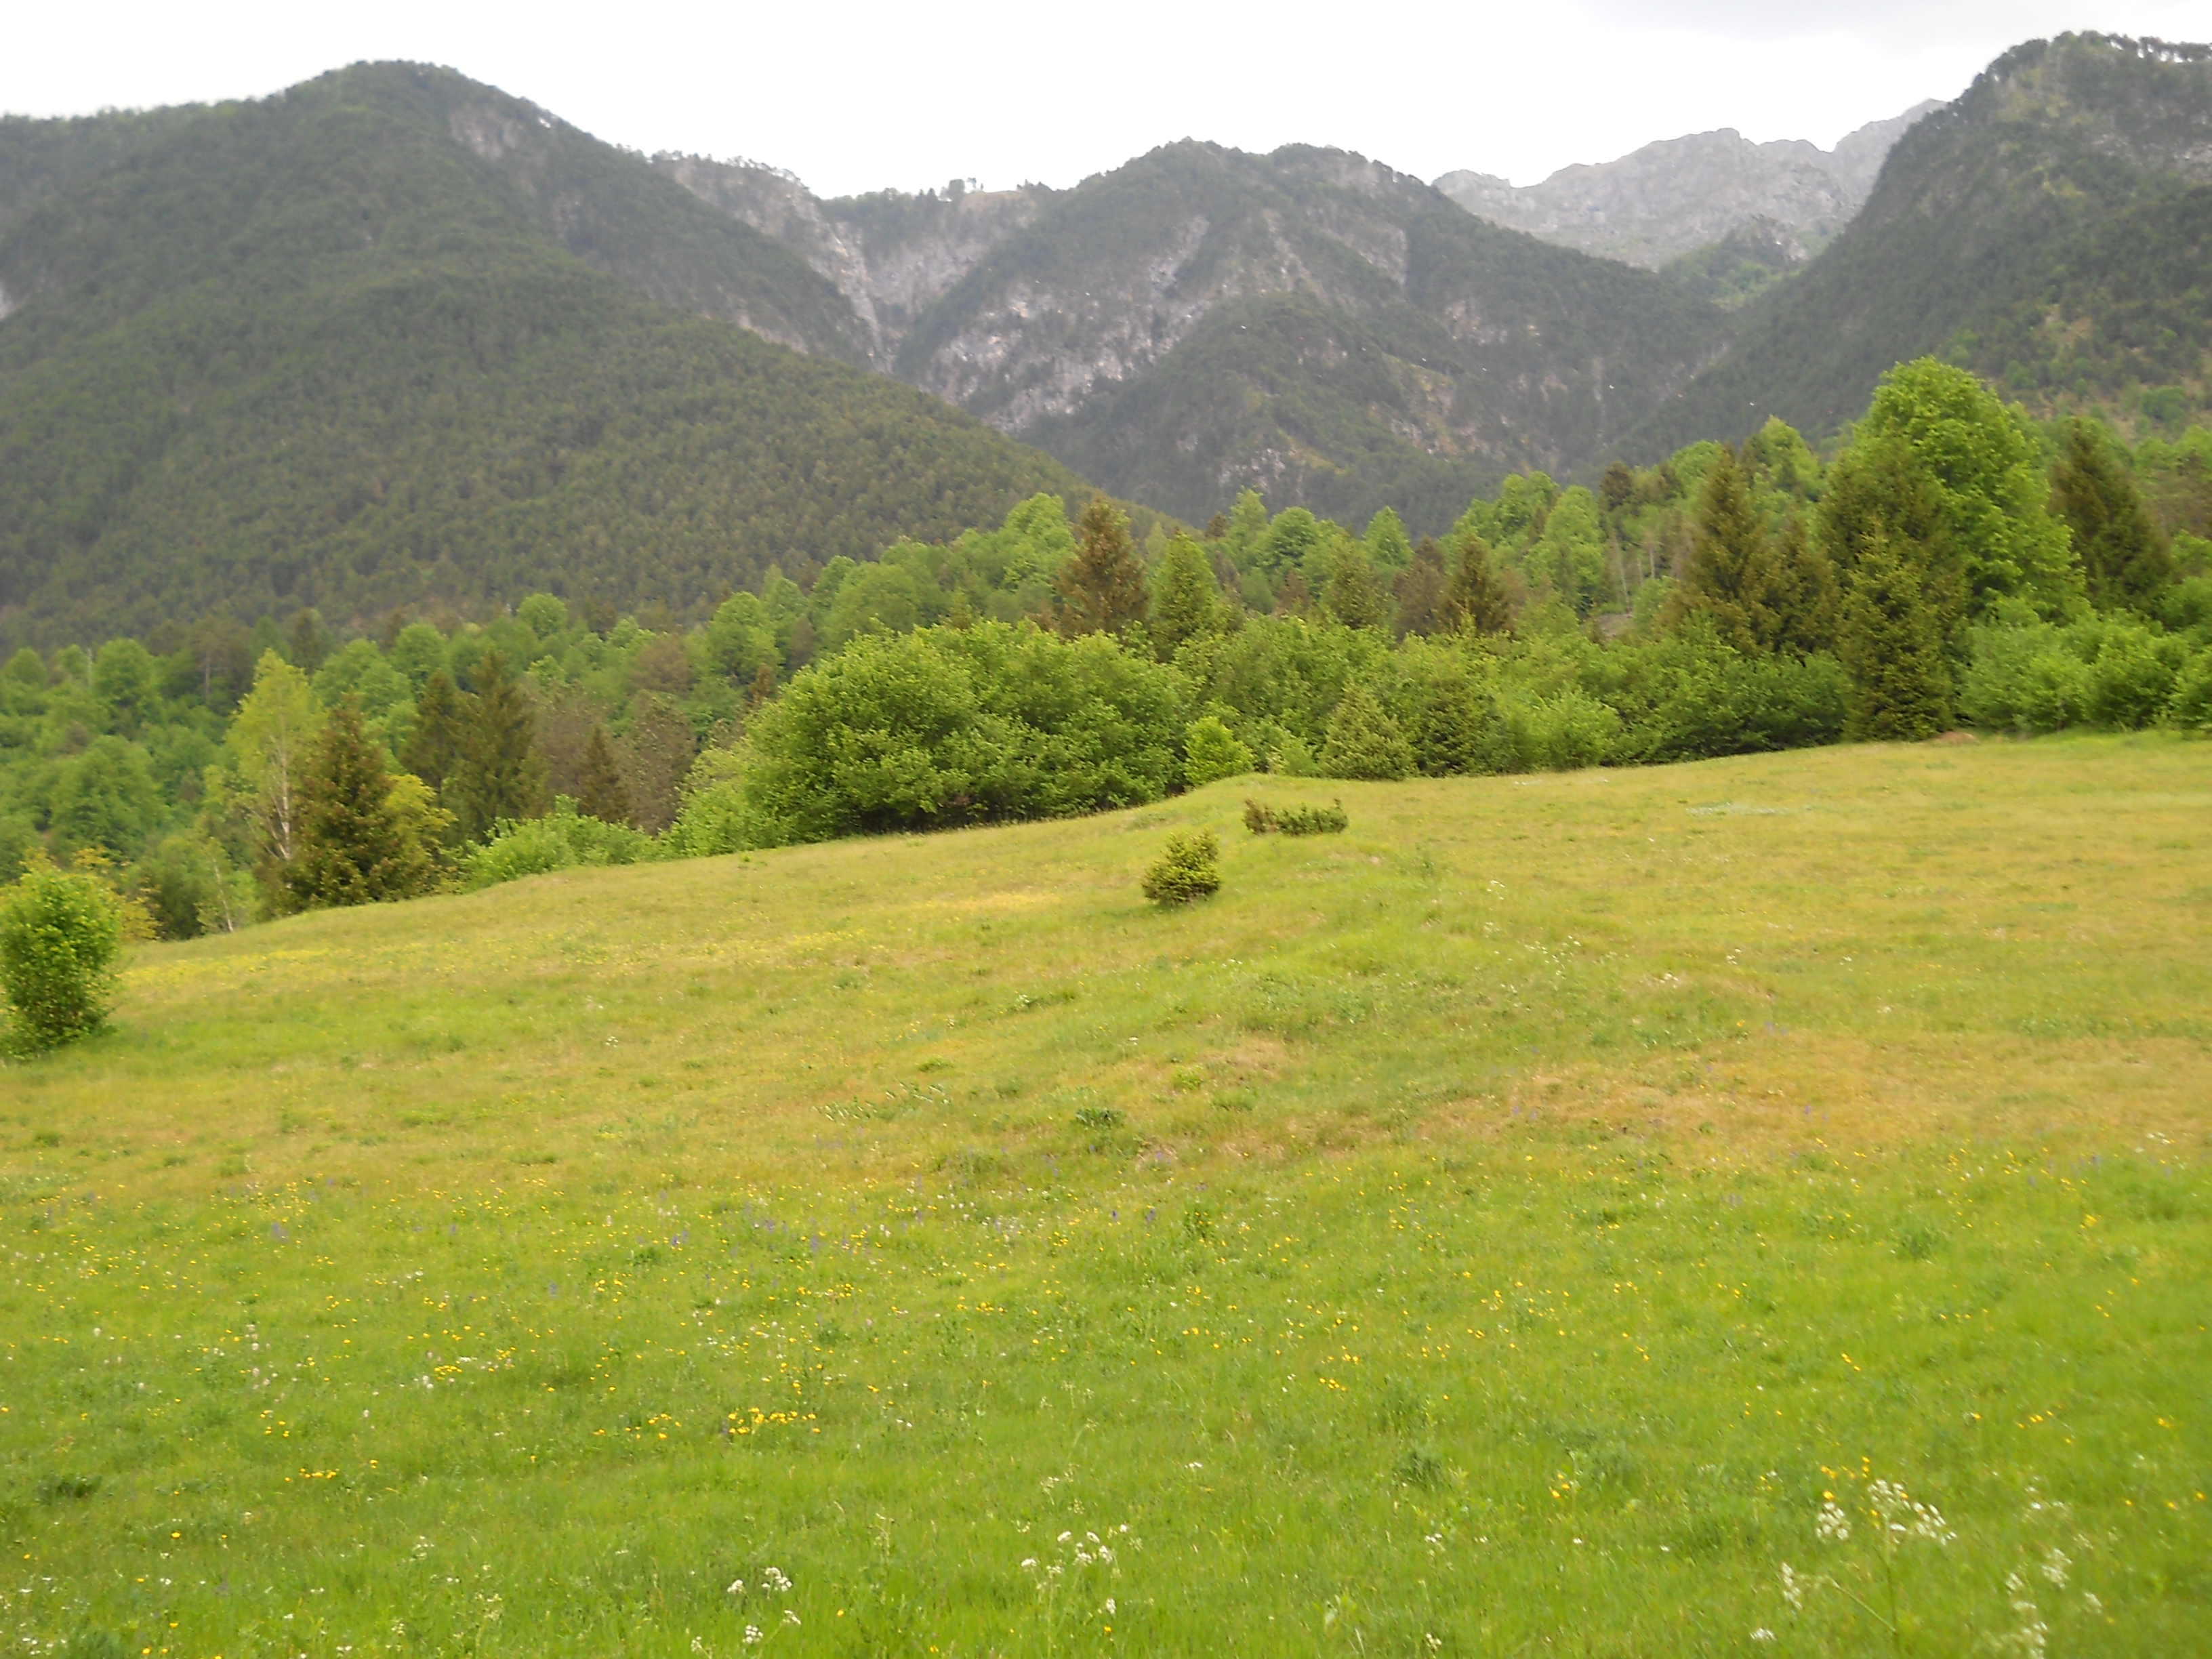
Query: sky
point(865, 95)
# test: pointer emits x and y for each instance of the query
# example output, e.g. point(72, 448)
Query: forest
point(1953, 564)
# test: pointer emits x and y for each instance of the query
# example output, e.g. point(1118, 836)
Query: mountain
point(1677, 197)
point(2051, 229)
point(1308, 322)
point(393, 338)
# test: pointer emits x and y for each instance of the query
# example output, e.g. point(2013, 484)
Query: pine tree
point(1732, 575)
point(1362, 741)
point(599, 792)
point(501, 775)
point(2122, 551)
point(441, 734)
point(1476, 601)
point(354, 846)
point(1101, 589)
point(1892, 644)
point(1185, 600)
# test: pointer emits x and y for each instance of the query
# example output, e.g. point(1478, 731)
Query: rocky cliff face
point(1673, 197)
point(1200, 319)
point(889, 254)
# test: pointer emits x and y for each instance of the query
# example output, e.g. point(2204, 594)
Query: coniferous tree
point(1733, 576)
point(1186, 599)
point(1806, 591)
point(355, 847)
point(2122, 551)
point(1352, 596)
point(1476, 601)
point(763, 685)
point(1292, 597)
point(1362, 741)
point(1892, 644)
point(1420, 589)
point(599, 792)
point(1101, 589)
point(499, 775)
point(308, 643)
point(434, 748)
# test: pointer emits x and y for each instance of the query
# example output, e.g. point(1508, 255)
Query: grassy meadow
point(1554, 1216)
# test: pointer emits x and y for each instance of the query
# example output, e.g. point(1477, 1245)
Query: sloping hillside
point(347, 347)
point(2047, 229)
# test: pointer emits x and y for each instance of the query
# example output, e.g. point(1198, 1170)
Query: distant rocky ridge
point(889, 254)
point(1674, 198)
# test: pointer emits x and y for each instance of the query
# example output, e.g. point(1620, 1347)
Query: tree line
point(1953, 562)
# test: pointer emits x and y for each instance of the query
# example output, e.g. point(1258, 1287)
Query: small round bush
point(59, 934)
point(1189, 869)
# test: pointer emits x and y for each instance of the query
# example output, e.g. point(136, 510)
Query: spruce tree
point(1352, 596)
point(1186, 599)
point(1892, 644)
point(1732, 576)
point(441, 734)
point(499, 775)
point(599, 792)
point(354, 848)
point(1476, 601)
point(1806, 590)
point(1101, 589)
point(2122, 551)
point(1362, 741)
point(1420, 588)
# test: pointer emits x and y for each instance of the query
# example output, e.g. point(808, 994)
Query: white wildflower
point(736, 1587)
point(1792, 1592)
point(1762, 1634)
point(791, 1615)
point(752, 1635)
point(2054, 1566)
point(1833, 1526)
point(2089, 1601)
point(775, 1581)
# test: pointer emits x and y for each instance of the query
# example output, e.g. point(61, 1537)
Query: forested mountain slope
point(1201, 320)
point(346, 347)
point(2050, 229)
point(1309, 324)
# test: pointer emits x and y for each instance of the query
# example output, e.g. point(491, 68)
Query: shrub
point(2133, 676)
point(1189, 869)
point(59, 934)
point(947, 726)
point(2191, 706)
point(1262, 819)
point(1210, 751)
point(562, 840)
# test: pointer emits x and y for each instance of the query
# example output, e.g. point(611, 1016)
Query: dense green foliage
point(316, 351)
point(1728, 601)
point(59, 934)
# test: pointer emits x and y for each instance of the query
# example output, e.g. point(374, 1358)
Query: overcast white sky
point(862, 96)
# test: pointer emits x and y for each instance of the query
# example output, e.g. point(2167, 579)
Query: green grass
point(1491, 1230)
